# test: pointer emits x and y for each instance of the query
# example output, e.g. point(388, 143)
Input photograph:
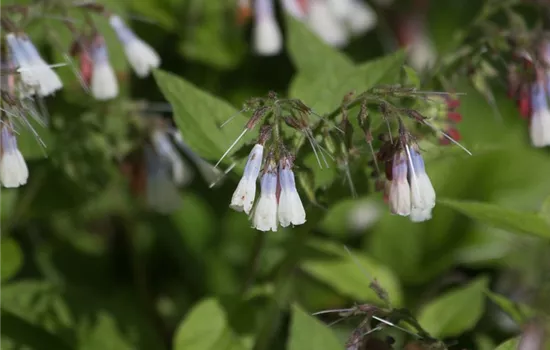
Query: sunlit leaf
point(455, 311)
point(104, 334)
point(510, 344)
point(198, 116)
point(206, 328)
point(503, 218)
point(351, 276)
point(306, 332)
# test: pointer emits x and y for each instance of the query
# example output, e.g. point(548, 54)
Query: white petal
point(540, 128)
point(13, 169)
point(422, 191)
point(361, 18)
point(326, 25)
point(104, 83)
point(420, 215)
point(162, 194)
point(268, 40)
point(243, 197)
point(142, 57)
point(421, 52)
point(264, 217)
point(400, 198)
point(291, 209)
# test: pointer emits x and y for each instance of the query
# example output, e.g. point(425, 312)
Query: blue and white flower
point(243, 197)
point(264, 217)
point(36, 74)
point(13, 168)
point(399, 189)
point(104, 84)
point(540, 117)
point(142, 57)
point(291, 210)
point(267, 37)
point(422, 191)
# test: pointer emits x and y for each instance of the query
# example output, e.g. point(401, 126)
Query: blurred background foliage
point(86, 264)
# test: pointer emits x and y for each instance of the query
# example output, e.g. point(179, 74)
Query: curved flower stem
point(283, 289)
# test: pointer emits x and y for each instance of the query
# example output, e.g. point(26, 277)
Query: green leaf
point(306, 332)
point(346, 276)
point(214, 40)
point(8, 201)
point(311, 55)
point(503, 218)
point(12, 258)
point(510, 344)
point(23, 332)
point(206, 328)
point(545, 210)
point(324, 90)
point(412, 76)
point(198, 115)
point(103, 335)
point(520, 313)
point(456, 311)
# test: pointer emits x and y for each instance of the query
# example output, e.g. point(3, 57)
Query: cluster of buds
point(95, 67)
point(334, 21)
point(529, 86)
point(443, 114)
point(279, 201)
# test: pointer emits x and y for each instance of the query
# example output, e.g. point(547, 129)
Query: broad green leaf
point(12, 258)
point(198, 115)
point(503, 218)
point(157, 11)
point(324, 90)
point(510, 344)
point(104, 334)
point(351, 276)
point(206, 328)
point(517, 311)
point(456, 311)
point(22, 332)
point(310, 55)
point(306, 332)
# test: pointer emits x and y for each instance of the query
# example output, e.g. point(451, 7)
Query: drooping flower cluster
point(334, 21)
point(408, 187)
point(279, 202)
point(95, 67)
point(444, 115)
point(26, 78)
point(529, 85)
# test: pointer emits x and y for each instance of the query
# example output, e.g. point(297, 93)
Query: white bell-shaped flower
point(36, 74)
point(13, 168)
point(361, 17)
point(291, 210)
point(264, 217)
point(267, 37)
point(243, 197)
point(422, 191)
point(104, 84)
point(324, 23)
point(540, 117)
point(400, 192)
point(161, 191)
point(142, 57)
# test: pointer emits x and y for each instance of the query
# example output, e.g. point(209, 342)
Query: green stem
point(283, 289)
point(254, 261)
